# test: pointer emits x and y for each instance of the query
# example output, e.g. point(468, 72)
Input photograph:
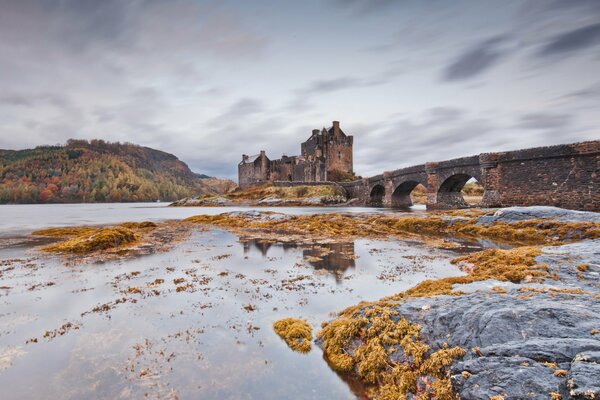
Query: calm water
point(194, 322)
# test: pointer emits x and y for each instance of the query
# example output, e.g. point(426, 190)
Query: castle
point(326, 155)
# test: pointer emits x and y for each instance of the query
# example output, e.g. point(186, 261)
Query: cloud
point(571, 41)
point(238, 111)
point(476, 60)
point(366, 6)
point(333, 85)
point(589, 92)
point(544, 121)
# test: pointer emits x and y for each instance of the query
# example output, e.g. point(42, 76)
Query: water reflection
point(333, 258)
point(193, 322)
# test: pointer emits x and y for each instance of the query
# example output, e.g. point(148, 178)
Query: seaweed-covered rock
point(533, 340)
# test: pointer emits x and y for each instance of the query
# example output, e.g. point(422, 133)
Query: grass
point(296, 333)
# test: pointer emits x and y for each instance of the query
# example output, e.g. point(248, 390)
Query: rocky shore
point(531, 339)
point(270, 196)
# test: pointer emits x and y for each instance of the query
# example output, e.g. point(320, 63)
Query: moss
point(93, 240)
point(295, 332)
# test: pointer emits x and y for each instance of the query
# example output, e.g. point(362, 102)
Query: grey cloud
point(132, 27)
point(590, 92)
point(412, 140)
point(237, 111)
point(476, 60)
point(349, 82)
point(574, 40)
point(332, 85)
point(16, 99)
point(33, 99)
point(544, 121)
point(366, 6)
point(444, 114)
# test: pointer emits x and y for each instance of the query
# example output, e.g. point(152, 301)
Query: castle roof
point(250, 159)
point(330, 131)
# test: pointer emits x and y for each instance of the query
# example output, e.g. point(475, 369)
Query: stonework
point(323, 155)
point(566, 176)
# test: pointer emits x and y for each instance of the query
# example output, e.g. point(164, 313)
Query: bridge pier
point(490, 179)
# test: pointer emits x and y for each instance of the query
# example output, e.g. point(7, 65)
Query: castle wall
point(281, 169)
point(253, 171)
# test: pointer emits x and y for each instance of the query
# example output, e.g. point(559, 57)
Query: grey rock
point(584, 377)
point(515, 214)
point(514, 378)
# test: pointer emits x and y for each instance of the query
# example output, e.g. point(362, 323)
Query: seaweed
point(93, 240)
point(296, 333)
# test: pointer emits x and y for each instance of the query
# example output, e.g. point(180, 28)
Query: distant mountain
point(84, 171)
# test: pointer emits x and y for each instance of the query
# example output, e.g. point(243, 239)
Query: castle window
point(340, 155)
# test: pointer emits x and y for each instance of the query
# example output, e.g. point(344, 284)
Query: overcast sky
point(413, 81)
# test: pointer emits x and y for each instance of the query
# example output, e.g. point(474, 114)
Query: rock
point(513, 378)
point(584, 376)
point(260, 215)
point(271, 201)
point(515, 214)
point(328, 200)
point(212, 201)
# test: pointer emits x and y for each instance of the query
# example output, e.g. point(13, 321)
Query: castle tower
point(338, 150)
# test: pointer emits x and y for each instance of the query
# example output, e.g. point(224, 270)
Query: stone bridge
point(565, 176)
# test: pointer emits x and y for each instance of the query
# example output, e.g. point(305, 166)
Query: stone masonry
point(325, 154)
point(566, 176)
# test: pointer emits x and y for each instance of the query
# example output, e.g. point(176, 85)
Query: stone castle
point(326, 155)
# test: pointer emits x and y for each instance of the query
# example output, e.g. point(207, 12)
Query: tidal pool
point(193, 322)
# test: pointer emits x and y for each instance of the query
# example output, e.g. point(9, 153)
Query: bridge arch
point(450, 191)
point(377, 193)
point(401, 195)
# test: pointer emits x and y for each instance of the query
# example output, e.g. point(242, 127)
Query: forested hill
point(98, 171)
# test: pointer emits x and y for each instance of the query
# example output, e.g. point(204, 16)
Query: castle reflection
point(334, 258)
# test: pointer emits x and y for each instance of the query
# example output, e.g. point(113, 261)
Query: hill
point(98, 171)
